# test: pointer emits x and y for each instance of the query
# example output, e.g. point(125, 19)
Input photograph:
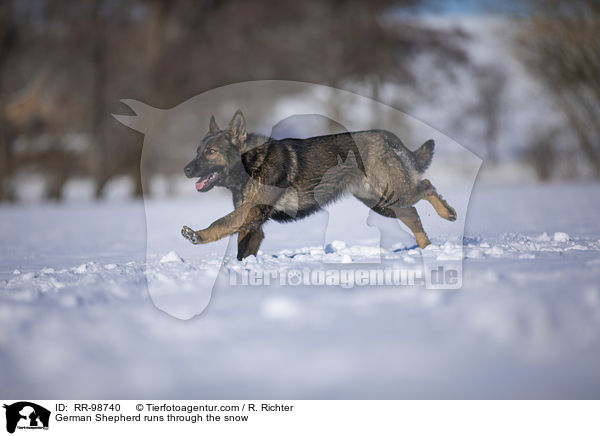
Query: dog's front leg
point(191, 235)
point(249, 242)
point(228, 225)
point(240, 219)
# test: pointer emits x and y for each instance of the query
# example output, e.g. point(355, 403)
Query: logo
point(26, 415)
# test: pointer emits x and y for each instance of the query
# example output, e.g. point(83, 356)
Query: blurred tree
point(541, 153)
point(319, 41)
point(560, 44)
point(8, 36)
point(75, 60)
point(491, 84)
point(99, 152)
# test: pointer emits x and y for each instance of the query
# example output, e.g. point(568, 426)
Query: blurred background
point(518, 83)
point(515, 82)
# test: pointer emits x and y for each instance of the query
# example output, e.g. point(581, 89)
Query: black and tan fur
point(289, 179)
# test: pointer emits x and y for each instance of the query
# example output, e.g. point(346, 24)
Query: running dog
point(289, 179)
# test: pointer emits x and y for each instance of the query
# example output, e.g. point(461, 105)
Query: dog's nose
point(188, 171)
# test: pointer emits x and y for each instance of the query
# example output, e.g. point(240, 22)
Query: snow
point(171, 256)
point(561, 237)
point(280, 308)
point(77, 320)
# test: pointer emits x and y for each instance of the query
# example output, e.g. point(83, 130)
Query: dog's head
point(217, 153)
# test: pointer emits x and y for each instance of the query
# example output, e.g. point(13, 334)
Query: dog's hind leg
point(408, 215)
point(249, 242)
point(429, 193)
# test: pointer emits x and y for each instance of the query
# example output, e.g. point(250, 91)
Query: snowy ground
point(76, 319)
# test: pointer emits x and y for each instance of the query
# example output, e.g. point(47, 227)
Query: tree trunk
point(8, 35)
point(99, 155)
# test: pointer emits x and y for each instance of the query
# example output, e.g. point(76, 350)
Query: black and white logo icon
point(26, 415)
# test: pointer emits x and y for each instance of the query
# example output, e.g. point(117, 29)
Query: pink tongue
point(200, 183)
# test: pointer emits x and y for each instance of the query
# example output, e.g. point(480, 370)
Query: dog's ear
point(212, 127)
point(237, 128)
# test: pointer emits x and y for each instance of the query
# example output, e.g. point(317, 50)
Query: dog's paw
point(451, 213)
point(190, 235)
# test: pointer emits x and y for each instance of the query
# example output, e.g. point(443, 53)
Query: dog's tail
point(423, 155)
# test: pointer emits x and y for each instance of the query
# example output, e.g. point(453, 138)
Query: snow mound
point(171, 256)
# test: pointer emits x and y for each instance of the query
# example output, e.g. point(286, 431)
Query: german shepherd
point(289, 179)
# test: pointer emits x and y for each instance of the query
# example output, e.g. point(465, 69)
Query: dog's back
point(322, 168)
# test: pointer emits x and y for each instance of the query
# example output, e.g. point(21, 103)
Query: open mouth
point(207, 182)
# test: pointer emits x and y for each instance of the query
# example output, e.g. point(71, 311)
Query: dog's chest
point(288, 203)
